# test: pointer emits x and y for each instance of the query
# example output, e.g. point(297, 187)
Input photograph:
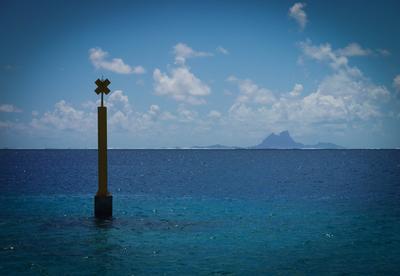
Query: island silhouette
point(283, 140)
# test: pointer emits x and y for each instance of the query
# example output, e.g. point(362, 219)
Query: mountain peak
point(281, 141)
point(284, 141)
point(285, 133)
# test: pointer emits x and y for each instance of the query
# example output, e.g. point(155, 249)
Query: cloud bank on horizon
point(200, 98)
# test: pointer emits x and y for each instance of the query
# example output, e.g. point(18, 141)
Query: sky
point(187, 73)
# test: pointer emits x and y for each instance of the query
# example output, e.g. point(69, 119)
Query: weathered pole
point(103, 198)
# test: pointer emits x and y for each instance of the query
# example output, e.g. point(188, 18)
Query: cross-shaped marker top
point(102, 88)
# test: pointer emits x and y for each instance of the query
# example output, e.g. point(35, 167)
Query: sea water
point(201, 212)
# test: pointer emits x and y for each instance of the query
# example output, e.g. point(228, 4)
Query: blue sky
point(189, 73)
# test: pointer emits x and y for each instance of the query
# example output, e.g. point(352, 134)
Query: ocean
point(202, 212)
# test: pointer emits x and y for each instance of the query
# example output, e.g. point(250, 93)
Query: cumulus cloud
point(222, 50)
point(323, 52)
point(354, 49)
point(186, 115)
point(345, 98)
point(297, 13)
point(181, 85)
point(183, 52)
point(121, 116)
point(65, 117)
point(167, 116)
point(9, 108)
point(179, 82)
point(100, 60)
point(340, 99)
point(214, 114)
point(350, 97)
point(251, 93)
point(337, 58)
point(119, 101)
point(296, 91)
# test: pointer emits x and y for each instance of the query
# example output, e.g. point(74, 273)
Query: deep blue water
point(207, 212)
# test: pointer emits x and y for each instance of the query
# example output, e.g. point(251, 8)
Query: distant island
point(282, 140)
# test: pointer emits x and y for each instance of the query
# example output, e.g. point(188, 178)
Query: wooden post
point(102, 150)
point(103, 198)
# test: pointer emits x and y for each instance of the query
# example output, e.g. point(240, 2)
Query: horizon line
point(194, 148)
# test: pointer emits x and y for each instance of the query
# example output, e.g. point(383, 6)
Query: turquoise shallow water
point(202, 212)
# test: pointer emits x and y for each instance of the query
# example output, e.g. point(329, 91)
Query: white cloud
point(297, 89)
point(186, 115)
point(222, 50)
point(121, 116)
point(337, 58)
point(9, 108)
point(344, 97)
point(154, 110)
point(213, 114)
point(181, 84)
point(251, 93)
point(340, 100)
point(119, 101)
point(347, 83)
point(297, 13)
point(354, 49)
point(183, 52)
point(396, 83)
point(123, 120)
point(323, 52)
point(64, 117)
point(346, 79)
point(346, 94)
point(98, 57)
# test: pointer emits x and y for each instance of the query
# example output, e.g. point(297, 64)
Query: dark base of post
point(103, 206)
